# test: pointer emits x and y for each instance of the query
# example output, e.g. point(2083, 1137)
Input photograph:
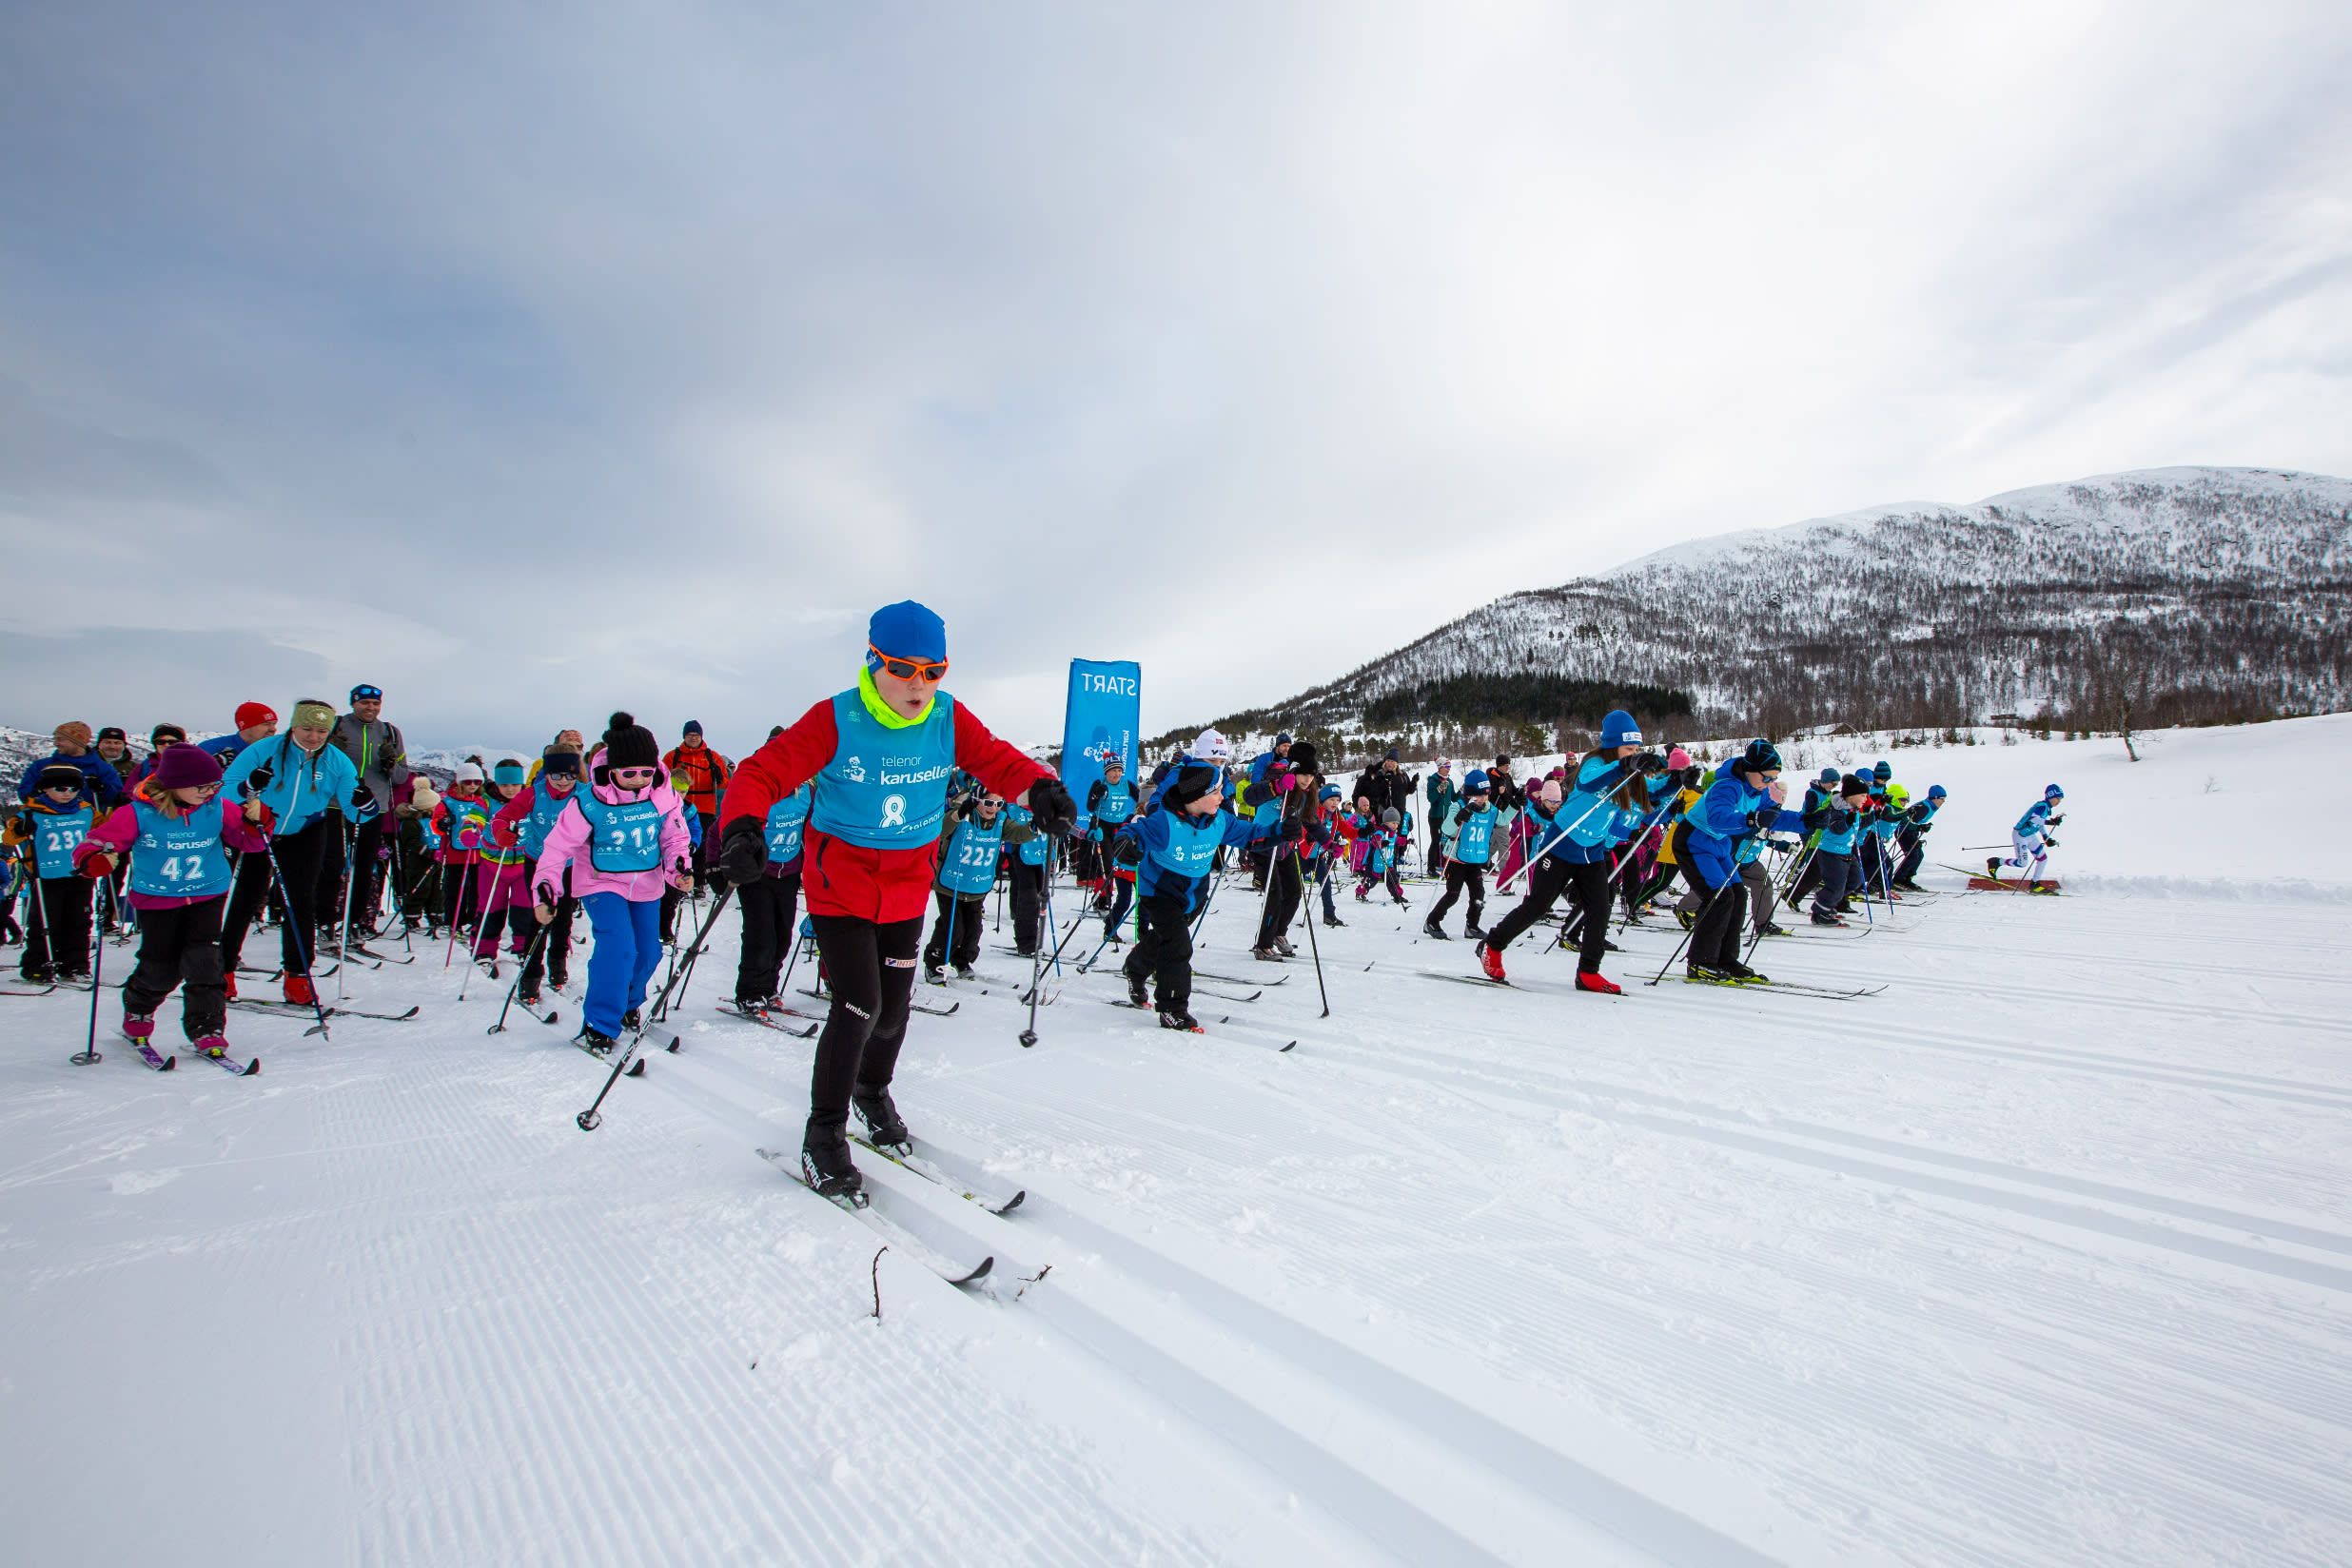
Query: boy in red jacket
point(880, 756)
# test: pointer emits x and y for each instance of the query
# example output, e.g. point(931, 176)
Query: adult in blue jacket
point(101, 785)
point(256, 722)
point(302, 782)
point(1175, 851)
point(1574, 832)
point(1744, 802)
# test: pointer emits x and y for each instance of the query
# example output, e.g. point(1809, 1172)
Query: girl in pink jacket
point(624, 838)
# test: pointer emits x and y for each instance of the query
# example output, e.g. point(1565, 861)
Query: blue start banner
point(1106, 704)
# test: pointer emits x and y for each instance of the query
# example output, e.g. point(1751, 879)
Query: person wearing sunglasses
point(616, 846)
point(881, 755)
point(381, 757)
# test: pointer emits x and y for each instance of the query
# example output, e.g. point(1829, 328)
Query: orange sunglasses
point(910, 669)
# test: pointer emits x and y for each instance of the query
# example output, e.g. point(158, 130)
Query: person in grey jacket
point(380, 756)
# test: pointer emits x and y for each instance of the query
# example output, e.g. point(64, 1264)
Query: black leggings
point(769, 905)
point(1590, 884)
point(1461, 875)
point(299, 854)
point(181, 947)
point(960, 915)
point(1715, 941)
point(1281, 899)
point(871, 970)
point(1165, 950)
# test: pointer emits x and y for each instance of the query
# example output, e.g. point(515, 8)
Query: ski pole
point(498, 880)
point(1315, 948)
point(537, 943)
point(1037, 969)
point(588, 1120)
point(97, 982)
point(791, 963)
point(351, 882)
point(456, 905)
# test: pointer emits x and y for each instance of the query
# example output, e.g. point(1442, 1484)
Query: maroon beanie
point(185, 767)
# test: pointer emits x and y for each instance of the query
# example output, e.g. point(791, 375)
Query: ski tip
point(636, 1069)
point(976, 1275)
point(169, 1062)
point(1013, 1203)
point(1292, 1043)
point(251, 1067)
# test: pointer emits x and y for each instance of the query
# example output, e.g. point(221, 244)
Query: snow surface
point(2041, 1257)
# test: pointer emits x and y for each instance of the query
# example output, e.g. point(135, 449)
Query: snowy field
point(2043, 1256)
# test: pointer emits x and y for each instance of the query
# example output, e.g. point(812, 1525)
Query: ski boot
point(1474, 931)
point(228, 983)
point(1281, 945)
point(935, 974)
point(300, 992)
point(1598, 985)
point(885, 1128)
point(1265, 955)
point(528, 996)
point(632, 1019)
point(825, 1165)
point(1333, 920)
point(750, 1007)
point(1136, 993)
point(597, 1044)
point(1178, 1019)
point(1774, 927)
point(965, 971)
point(1993, 867)
point(1363, 896)
point(1823, 918)
point(1490, 961)
point(1745, 975)
point(139, 1027)
point(214, 1046)
point(1685, 920)
point(1709, 974)
point(1434, 931)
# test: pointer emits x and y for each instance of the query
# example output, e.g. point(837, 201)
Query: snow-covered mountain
point(2199, 594)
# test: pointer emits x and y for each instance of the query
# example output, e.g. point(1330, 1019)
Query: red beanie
point(251, 713)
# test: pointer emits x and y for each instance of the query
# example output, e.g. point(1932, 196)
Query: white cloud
point(629, 362)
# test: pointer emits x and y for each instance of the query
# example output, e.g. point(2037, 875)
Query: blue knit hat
point(1935, 791)
point(1829, 775)
point(905, 630)
point(1475, 782)
point(1619, 729)
point(1884, 770)
point(2053, 792)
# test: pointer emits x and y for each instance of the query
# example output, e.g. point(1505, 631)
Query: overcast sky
point(535, 359)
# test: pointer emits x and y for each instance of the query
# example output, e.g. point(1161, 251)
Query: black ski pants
point(59, 937)
point(1028, 901)
point(1715, 941)
point(1587, 883)
point(551, 958)
point(1164, 953)
point(769, 904)
point(1281, 899)
point(871, 970)
point(1836, 872)
point(956, 933)
point(298, 855)
point(1462, 876)
point(181, 947)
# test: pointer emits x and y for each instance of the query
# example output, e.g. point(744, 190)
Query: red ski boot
point(1599, 983)
point(1491, 962)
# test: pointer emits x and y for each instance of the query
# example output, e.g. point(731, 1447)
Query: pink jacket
point(567, 845)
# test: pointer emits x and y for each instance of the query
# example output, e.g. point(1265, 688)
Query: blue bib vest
point(540, 821)
point(1034, 851)
point(55, 838)
point(1118, 805)
point(1191, 851)
point(786, 820)
point(885, 789)
point(968, 867)
point(1474, 840)
point(621, 838)
point(1749, 800)
point(179, 859)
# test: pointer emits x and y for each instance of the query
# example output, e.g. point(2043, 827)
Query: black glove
point(1050, 804)
point(1127, 852)
point(1917, 813)
point(2049, 843)
point(742, 852)
point(2055, 820)
point(260, 778)
point(1650, 762)
point(1763, 817)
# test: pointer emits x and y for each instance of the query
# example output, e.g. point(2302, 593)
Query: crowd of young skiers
point(883, 804)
